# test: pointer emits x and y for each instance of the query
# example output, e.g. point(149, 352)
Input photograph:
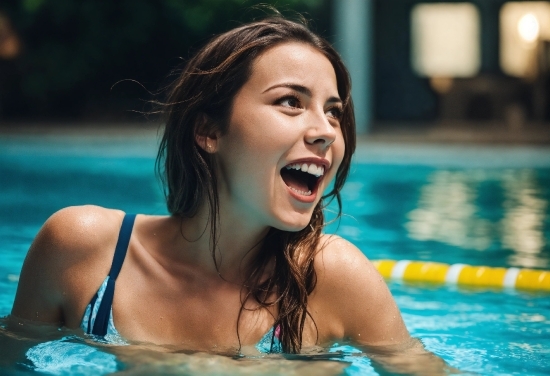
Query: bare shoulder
point(75, 234)
point(69, 251)
point(351, 293)
point(340, 259)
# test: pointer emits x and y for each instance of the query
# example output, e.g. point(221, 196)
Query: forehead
point(296, 63)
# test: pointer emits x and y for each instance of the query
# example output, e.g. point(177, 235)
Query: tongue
point(294, 179)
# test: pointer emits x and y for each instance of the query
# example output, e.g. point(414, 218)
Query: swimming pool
point(447, 203)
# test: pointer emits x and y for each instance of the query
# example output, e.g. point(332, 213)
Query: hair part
point(199, 102)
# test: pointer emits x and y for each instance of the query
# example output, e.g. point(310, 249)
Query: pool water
point(476, 205)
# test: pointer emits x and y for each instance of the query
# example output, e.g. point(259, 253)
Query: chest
point(187, 314)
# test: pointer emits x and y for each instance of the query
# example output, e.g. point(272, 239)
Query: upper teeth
point(312, 169)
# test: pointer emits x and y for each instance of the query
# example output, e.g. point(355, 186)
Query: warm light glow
point(445, 40)
point(528, 27)
point(441, 85)
point(10, 46)
point(522, 25)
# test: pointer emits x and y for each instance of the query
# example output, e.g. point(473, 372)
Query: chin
point(295, 224)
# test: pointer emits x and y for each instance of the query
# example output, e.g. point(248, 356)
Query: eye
point(335, 112)
point(290, 101)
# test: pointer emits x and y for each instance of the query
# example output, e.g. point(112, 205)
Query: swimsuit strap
point(104, 311)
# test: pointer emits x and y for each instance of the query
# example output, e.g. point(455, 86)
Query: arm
point(65, 263)
point(39, 296)
point(351, 293)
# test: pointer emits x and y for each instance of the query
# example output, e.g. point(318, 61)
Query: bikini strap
point(122, 244)
point(104, 311)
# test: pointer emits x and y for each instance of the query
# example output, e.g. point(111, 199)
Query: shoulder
point(340, 264)
point(77, 229)
point(72, 250)
point(77, 236)
point(353, 296)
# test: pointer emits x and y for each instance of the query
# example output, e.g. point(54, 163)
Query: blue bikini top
point(98, 317)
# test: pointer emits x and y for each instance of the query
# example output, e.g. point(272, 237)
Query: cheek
point(261, 139)
point(251, 125)
point(339, 148)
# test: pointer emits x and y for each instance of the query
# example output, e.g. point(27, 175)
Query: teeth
point(308, 193)
point(312, 169)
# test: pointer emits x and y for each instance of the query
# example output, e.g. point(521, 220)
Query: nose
point(320, 131)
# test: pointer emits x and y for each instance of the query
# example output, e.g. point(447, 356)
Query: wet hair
point(199, 102)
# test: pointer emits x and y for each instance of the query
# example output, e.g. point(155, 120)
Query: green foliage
point(74, 51)
point(32, 5)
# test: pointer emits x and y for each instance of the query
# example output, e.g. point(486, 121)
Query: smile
point(303, 177)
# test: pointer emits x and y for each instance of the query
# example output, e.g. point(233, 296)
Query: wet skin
point(169, 291)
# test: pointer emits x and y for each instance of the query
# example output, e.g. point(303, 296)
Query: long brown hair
point(199, 102)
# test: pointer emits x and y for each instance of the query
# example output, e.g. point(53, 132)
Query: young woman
point(258, 124)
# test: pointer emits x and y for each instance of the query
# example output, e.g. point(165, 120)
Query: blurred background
point(452, 102)
point(452, 105)
point(65, 60)
point(424, 69)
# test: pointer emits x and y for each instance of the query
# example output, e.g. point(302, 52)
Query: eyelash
point(287, 97)
point(337, 110)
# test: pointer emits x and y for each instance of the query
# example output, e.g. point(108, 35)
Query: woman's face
point(284, 142)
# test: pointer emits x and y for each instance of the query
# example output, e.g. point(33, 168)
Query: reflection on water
point(470, 215)
point(473, 209)
point(446, 212)
point(490, 332)
point(522, 225)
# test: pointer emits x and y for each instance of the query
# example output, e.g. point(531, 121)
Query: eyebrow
point(302, 90)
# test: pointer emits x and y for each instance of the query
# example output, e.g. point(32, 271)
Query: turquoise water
point(477, 205)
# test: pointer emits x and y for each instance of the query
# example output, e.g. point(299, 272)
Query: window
point(523, 28)
point(445, 40)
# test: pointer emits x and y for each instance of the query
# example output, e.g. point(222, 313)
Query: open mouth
point(302, 178)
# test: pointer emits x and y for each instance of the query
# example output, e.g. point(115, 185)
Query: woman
point(257, 125)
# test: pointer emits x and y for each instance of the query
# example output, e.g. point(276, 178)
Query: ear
point(206, 137)
point(207, 143)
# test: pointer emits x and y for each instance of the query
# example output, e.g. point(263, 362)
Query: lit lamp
point(528, 28)
point(523, 27)
point(9, 42)
point(445, 42)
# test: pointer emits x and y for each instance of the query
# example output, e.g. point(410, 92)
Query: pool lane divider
point(466, 275)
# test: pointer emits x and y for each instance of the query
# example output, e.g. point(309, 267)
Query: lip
point(319, 162)
point(304, 199)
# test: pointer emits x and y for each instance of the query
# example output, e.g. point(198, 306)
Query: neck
point(236, 245)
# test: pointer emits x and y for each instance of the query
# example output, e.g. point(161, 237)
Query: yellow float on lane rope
point(462, 274)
